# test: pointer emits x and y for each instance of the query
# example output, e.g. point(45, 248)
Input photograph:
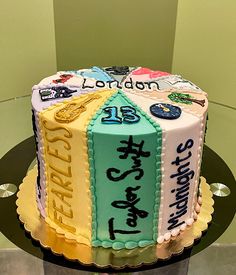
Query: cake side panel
point(124, 216)
point(64, 128)
point(182, 138)
point(194, 102)
point(180, 161)
point(40, 184)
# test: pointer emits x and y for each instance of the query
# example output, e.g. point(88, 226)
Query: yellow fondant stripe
point(68, 203)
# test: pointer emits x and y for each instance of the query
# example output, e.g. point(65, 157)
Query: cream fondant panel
point(68, 203)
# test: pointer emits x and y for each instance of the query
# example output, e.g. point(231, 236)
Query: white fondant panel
point(178, 133)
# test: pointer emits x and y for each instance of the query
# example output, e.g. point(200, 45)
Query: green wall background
point(27, 45)
point(205, 46)
point(205, 52)
point(109, 32)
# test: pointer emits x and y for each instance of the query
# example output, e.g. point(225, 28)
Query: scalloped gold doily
point(103, 257)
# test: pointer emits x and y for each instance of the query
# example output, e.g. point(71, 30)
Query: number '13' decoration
point(128, 115)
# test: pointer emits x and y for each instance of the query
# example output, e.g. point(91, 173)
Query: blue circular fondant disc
point(165, 111)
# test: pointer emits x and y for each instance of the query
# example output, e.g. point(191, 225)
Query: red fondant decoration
point(63, 78)
point(151, 73)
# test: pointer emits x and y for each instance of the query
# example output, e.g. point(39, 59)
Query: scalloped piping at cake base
point(189, 222)
point(175, 232)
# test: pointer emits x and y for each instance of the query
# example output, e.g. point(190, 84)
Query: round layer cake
point(119, 154)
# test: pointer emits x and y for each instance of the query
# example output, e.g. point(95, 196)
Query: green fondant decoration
point(185, 99)
point(180, 98)
point(105, 191)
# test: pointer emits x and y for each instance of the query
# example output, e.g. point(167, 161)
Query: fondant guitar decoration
point(165, 111)
point(73, 110)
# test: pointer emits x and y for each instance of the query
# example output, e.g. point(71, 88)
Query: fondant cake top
point(145, 82)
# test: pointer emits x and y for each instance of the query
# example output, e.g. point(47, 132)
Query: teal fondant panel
point(124, 175)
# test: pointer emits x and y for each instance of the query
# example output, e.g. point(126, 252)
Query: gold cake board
point(106, 257)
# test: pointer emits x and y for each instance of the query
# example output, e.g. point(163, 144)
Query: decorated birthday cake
point(119, 154)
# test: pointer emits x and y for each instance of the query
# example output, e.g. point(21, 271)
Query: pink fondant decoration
point(151, 73)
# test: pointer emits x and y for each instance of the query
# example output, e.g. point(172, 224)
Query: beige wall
point(205, 52)
point(109, 32)
point(27, 45)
